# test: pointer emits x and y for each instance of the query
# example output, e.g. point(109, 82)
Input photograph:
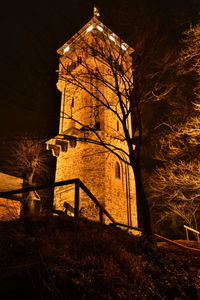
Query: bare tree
point(189, 55)
point(28, 159)
point(175, 191)
point(173, 187)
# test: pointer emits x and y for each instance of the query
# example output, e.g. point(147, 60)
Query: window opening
point(72, 103)
point(117, 125)
point(97, 125)
point(117, 171)
point(79, 60)
point(73, 65)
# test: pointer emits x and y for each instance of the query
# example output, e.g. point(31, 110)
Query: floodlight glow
point(66, 49)
point(90, 28)
point(112, 38)
point(124, 47)
point(99, 28)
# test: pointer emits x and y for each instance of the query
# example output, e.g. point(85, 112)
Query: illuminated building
point(84, 119)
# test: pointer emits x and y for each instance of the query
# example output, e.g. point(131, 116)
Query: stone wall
point(96, 167)
point(93, 164)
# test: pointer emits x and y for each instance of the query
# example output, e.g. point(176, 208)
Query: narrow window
point(79, 60)
point(68, 69)
point(117, 125)
point(97, 125)
point(72, 103)
point(117, 171)
point(74, 65)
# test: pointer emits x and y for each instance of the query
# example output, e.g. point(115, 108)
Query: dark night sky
point(31, 32)
point(30, 36)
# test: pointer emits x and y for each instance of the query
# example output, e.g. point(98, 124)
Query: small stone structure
point(81, 117)
point(10, 208)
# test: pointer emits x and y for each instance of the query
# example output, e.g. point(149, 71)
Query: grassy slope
point(65, 258)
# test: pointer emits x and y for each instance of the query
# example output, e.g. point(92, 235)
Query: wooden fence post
point(191, 229)
point(76, 199)
point(187, 235)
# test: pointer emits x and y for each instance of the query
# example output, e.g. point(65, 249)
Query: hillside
point(65, 258)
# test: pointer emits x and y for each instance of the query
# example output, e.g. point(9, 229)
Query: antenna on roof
point(96, 12)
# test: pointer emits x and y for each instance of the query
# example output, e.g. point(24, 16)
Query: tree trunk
point(28, 207)
point(141, 198)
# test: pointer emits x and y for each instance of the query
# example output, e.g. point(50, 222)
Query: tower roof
point(95, 24)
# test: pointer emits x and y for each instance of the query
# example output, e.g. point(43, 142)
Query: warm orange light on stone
point(109, 179)
point(9, 209)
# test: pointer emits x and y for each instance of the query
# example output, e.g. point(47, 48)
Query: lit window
point(112, 38)
point(99, 28)
point(66, 49)
point(124, 47)
point(117, 170)
point(90, 28)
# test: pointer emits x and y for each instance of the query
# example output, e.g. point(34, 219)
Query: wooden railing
point(78, 184)
point(162, 238)
point(193, 230)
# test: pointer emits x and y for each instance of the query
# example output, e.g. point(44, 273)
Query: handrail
point(78, 184)
point(193, 230)
point(176, 244)
point(38, 187)
point(93, 198)
point(161, 238)
point(128, 226)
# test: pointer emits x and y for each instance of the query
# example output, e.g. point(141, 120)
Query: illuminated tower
point(84, 119)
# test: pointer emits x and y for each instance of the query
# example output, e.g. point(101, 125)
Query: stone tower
point(87, 117)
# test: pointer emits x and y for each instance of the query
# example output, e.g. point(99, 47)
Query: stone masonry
point(105, 175)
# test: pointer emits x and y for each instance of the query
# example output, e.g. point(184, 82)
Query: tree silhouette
point(29, 160)
point(173, 187)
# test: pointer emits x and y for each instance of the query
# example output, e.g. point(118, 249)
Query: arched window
point(117, 170)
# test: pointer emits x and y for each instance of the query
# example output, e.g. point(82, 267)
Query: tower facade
point(91, 145)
